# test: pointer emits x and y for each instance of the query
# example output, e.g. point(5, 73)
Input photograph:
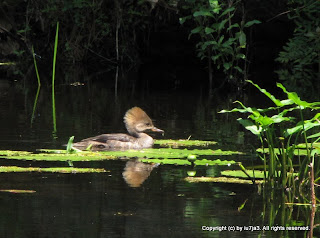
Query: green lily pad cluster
point(177, 143)
point(220, 180)
point(67, 170)
point(171, 155)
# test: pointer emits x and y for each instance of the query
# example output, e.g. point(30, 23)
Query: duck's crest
point(134, 116)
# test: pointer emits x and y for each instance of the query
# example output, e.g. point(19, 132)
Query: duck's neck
point(144, 140)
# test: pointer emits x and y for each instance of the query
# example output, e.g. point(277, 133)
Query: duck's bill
point(155, 129)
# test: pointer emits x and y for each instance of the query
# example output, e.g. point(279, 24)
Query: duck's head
point(137, 121)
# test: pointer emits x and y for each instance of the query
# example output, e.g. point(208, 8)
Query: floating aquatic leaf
point(62, 155)
point(16, 169)
point(55, 155)
point(17, 191)
point(257, 174)
point(12, 152)
point(166, 161)
point(240, 174)
point(163, 153)
point(220, 180)
point(176, 143)
point(214, 162)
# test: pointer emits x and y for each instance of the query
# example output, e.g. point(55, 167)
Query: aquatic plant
point(274, 129)
point(149, 154)
point(53, 79)
point(220, 180)
point(65, 170)
point(39, 85)
point(177, 143)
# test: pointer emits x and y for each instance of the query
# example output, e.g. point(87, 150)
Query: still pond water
point(103, 204)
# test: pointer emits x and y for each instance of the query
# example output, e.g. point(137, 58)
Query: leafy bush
point(222, 39)
point(300, 57)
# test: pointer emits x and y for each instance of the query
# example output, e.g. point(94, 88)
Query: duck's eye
point(148, 124)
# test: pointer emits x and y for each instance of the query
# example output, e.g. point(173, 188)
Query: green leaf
point(220, 180)
point(250, 23)
point(215, 57)
point(314, 135)
point(250, 126)
point(229, 9)
point(269, 95)
point(177, 143)
point(69, 145)
point(183, 19)
point(197, 30)
point(220, 39)
point(227, 65)
point(214, 162)
point(208, 43)
point(239, 69)
point(203, 13)
point(233, 26)
point(242, 39)
point(301, 126)
point(240, 56)
point(208, 30)
point(222, 23)
point(16, 169)
point(296, 99)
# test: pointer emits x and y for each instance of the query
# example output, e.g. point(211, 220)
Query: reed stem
point(53, 79)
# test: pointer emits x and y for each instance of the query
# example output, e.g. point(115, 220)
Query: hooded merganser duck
point(136, 121)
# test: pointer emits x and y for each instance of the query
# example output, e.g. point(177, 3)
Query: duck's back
point(114, 141)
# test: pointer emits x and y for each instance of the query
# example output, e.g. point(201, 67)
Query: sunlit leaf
point(220, 180)
point(17, 191)
point(296, 99)
point(176, 143)
point(269, 95)
point(250, 126)
point(69, 170)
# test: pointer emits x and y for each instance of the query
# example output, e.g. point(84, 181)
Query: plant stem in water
point(53, 79)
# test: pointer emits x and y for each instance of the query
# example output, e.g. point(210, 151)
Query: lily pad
point(177, 143)
point(56, 155)
point(220, 180)
point(214, 162)
point(61, 155)
point(69, 170)
point(17, 191)
point(257, 174)
point(205, 162)
point(166, 161)
point(240, 174)
point(167, 153)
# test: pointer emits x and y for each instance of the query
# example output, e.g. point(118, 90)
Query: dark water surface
point(104, 205)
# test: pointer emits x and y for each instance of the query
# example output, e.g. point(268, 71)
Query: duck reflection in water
point(136, 172)
point(136, 122)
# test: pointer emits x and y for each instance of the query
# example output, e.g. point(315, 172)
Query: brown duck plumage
point(136, 122)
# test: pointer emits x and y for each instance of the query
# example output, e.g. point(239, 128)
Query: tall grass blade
point(39, 85)
point(36, 67)
point(35, 105)
point(53, 79)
